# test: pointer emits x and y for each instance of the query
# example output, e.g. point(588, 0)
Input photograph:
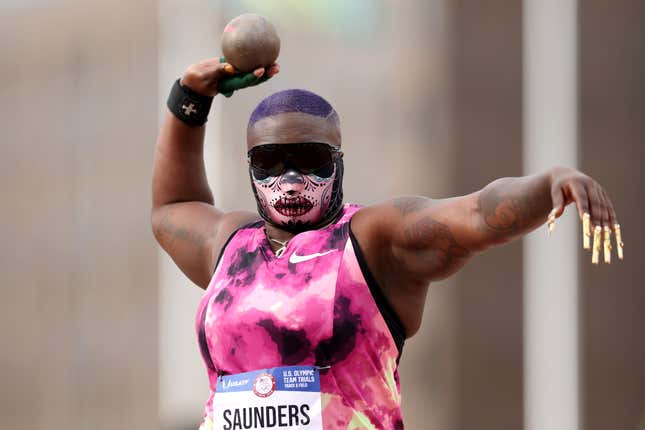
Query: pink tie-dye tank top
point(316, 304)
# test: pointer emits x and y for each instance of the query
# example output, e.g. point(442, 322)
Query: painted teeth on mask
point(293, 207)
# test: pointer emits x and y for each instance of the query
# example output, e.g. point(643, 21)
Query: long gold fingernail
point(619, 241)
point(586, 231)
point(596, 245)
point(551, 220)
point(607, 244)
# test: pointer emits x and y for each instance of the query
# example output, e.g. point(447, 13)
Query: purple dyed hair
point(294, 100)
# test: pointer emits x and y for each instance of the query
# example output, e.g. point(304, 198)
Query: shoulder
point(230, 223)
point(411, 237)
point(378, 228)
point(383, 219)
point(374, 228)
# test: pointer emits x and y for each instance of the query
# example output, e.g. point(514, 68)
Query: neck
point(277, 233)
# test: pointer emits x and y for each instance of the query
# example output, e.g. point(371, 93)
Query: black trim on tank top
point(221, 253)
point(389, 315)
point(203, 345)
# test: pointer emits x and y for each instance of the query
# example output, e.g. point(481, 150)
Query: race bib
point(280, 398)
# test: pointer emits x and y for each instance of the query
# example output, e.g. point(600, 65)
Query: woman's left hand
point(595, 209)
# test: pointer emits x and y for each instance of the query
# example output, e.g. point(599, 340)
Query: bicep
point(427, 239)
point(193, 233)
point(437, 237)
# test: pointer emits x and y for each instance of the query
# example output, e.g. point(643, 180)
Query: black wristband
point(189, 106)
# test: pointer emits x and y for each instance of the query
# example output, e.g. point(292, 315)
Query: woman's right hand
point(203, 77)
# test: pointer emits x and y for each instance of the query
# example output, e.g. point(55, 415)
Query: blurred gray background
point(97, 325)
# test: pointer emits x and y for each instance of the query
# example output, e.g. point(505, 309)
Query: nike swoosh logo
point(295, 258)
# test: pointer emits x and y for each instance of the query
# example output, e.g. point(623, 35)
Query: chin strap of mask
point(334, 208)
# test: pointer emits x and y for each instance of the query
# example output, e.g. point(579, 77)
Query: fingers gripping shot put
point(309, 300)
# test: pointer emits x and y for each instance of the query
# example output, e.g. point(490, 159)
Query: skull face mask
point(297, 201)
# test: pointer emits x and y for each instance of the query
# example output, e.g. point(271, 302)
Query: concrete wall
point(612, 149)
point(77, 260)
point(487, 123)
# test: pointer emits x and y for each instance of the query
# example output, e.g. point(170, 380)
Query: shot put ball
point(250, 41)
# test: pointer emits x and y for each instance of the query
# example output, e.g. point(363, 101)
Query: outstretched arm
point(512, 207)
point(430, 239)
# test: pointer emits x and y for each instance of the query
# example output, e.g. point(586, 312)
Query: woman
point(308, 301)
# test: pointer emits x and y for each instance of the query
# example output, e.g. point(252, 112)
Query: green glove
point(228, 86)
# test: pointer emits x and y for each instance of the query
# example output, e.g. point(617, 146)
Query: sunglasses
point(308, 157)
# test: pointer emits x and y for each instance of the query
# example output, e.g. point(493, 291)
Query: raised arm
point(184, 219)
point(427, 239)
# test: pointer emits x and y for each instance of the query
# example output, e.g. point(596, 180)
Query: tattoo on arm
point(410, 204)
point(512, 206)
point(175, 232)
point(435, 244)
point(505, 209)
point(432, 249)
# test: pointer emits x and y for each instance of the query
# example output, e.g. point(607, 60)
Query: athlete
point(312, 286)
